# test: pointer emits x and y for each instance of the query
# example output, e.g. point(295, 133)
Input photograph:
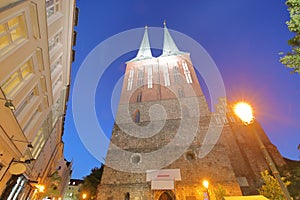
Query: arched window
point(127, 196)
point(139, 97)
point(167, 196)
point(137, 116)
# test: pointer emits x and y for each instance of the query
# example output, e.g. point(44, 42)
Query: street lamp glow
point(84, 195)
point(205, 184)
point(41, 188)
point(244, 111)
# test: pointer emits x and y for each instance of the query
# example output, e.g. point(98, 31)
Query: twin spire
point(169, 46)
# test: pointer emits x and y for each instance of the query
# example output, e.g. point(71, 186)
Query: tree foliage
point(271, 188)
point(292, 174)
point(219, 193)
point(91, 182)
point(292, 58)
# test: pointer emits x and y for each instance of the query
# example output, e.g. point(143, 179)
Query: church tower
point(162, 123)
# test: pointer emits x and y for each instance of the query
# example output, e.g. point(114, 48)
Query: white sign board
point(162, 185)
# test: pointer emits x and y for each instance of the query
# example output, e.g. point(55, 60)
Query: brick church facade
point(163, 123)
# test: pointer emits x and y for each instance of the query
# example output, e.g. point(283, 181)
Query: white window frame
point(187, 72)
point(166, 75)
point(130, 80)
point(150, 76)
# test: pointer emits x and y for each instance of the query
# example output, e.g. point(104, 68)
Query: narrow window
point(187, 72)
point(176, 73)
point(140, 80)
point(166, 75)
point(130, 80)
point(180, 93)
point(127, 196)
point(150, 77)
point(139, 97)
point(137, 116)
point(55, 41)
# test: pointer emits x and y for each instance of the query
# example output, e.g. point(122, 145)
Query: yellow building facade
point(36, 39)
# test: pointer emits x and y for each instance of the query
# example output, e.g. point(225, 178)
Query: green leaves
point(292, 58)
point(271, 188)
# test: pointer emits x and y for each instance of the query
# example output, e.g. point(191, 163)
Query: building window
point(187, 72)
point(55, 41)
point(166, 75)
point(139, 97)
point(150, 77)
point(29, 100)
point(180, 93)
point(137, 116)
point(39, 142)
point(12, 32)
point(140, 80)
point(18, 78)
point(127, 196)
point(176, 73)
point(56, 66)
point(130, 80)
point(52, 7)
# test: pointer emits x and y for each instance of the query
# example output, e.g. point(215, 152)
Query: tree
point(219, 193)
point(91, 182)
point(271, 188)
point(292, 58)
point(292, 174)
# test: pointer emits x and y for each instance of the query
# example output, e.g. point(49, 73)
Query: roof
point(144, 50)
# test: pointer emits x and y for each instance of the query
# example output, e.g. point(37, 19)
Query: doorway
point(167, 196)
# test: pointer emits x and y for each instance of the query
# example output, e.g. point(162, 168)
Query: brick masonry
point(167, 123)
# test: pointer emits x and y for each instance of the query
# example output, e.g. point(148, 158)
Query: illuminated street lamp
point(41, 188)
point(206, 184)
point(244, 112)
point(84, 195)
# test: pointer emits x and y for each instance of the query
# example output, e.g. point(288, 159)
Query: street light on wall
point(206, 185)
point(244, 111)
point(8, 103)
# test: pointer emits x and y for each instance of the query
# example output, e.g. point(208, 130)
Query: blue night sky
point(243, 37)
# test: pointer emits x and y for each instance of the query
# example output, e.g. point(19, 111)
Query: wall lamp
point(8, 103)
point(26, 161)
point(29, 145)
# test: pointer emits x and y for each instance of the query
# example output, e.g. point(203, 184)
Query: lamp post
point(244, 112)
point(206, 184)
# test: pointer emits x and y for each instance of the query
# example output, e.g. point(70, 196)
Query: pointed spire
point(144, 51)
point(169, 47)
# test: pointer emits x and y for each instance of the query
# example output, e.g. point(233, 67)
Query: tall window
point(130, 80)
point(18, 78)
point(150, 81)
point(39, 142)
point(137, 116)
point(166, 75)
point(140, 80)
point(180, 93)
point(127, 196)
point(52, 7)
point(187, 72)
point(56, 66)
point(54, 41)
point(12, 32)
point(139, 97)
point(29, 100)
point(176, 73)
